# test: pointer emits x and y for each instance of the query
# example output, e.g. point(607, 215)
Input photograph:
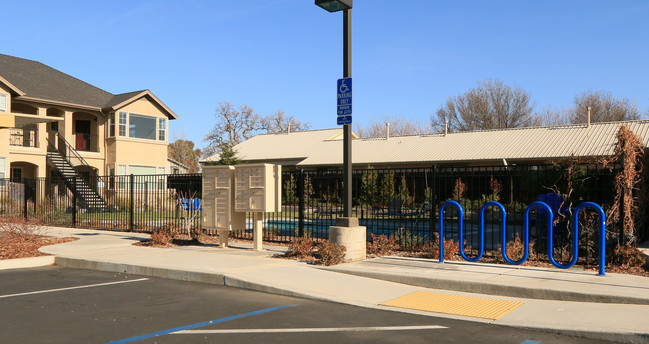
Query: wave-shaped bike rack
point(526, 233)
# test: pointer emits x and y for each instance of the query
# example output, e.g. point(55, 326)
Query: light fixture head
point(334, 5)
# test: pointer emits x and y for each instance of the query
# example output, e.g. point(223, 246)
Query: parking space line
point(201, 324)
point(306, 330)
point(72, 288)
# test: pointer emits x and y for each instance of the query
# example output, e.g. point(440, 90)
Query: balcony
point(23, 137)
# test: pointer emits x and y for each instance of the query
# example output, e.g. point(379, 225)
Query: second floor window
point(111, 125)
point(138, 126)
point(122, 123)
point(162, 129)
point(3, 103)
point(142, 127)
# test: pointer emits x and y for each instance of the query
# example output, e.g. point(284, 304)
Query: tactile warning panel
point(454, 304)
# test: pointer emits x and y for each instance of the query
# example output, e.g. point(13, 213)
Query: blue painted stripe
point(529, 341)
point(201, 324)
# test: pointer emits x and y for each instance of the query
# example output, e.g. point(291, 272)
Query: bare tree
point(398, 127)
point(183, 151)
point(604, 108)
point(279, 122)
point(232, 127)
point(552, 116)
point(492, 105)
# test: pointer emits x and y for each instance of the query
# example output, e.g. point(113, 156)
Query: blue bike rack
point(460, 218)
point(526, 233)
point(575, 238)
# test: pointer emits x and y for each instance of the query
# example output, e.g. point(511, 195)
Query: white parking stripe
point(303, 330)
point(71, 288)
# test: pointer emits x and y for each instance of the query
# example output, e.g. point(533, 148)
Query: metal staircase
point(60, 160)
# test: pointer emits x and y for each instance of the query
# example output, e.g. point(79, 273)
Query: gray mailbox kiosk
point(229, 192)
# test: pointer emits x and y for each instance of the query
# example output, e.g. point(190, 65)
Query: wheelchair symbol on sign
point(343, 87)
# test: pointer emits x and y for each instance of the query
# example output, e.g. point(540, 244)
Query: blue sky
point(271, 54)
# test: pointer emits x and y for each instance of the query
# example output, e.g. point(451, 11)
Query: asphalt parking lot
point(61, 305)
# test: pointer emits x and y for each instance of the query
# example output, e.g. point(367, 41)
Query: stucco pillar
point(67, 126)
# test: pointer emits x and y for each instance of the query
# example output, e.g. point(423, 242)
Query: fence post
point(74, 202)
point(433, 205)
point(300, 190)
point(131, 220)
point(25, 198)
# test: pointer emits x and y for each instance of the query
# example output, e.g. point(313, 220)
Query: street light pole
point(347, 231)
point(347, 128)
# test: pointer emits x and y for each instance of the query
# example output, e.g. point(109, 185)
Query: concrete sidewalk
point(613, 307)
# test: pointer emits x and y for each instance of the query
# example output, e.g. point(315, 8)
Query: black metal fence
point(404, 203)
point(400, 203)
point(125, 203)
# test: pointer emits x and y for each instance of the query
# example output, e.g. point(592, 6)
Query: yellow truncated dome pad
point(454, 304)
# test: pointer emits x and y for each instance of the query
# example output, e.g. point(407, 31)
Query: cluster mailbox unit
point(229, 192)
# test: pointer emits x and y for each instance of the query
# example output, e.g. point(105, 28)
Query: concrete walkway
point(613, 307)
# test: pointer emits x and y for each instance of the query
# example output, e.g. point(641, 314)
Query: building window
point(162, 129)
point(111, 125)
point(16, 174)
point(144, 177)
point(3, 171)
point(54, 126)
point(3, 102)
point(122, 123)
point(161, 178)
point(141, 127)
point(122, 178)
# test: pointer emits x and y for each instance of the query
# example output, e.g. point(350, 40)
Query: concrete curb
point(493, 289)
point(224, 280)
point(181, 275)
point(23, 263)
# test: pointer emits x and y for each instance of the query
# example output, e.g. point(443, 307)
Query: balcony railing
point(23, 137)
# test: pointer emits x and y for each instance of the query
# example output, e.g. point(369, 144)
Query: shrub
point(17, 226)
point(300, 247)
point(516, 250)
point(451, 248)
point(329, 253)
point(161, 237)
point(381, 245)
point(626, 256)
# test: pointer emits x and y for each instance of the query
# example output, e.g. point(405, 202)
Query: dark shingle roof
point(119, 98)
point(42, 82)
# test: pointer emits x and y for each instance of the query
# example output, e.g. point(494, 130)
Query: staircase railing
point(67, 151)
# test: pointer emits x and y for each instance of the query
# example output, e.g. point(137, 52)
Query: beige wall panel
point(143, 106)
point(140, 152)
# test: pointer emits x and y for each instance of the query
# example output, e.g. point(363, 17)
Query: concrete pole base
point(348, 233)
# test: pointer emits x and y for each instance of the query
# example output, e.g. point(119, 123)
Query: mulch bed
point(24, 246)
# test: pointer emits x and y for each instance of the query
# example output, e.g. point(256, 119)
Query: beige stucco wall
point(134, 151)
point(111, 152)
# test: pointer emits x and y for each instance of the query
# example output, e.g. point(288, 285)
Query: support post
point(131, 219)
point(74, 201)
point(257, 231)
point(347, 128)
point(301, 210)
point(25, 198)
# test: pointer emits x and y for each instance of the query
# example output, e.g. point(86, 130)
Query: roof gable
point(120, 100)
point(34, 81)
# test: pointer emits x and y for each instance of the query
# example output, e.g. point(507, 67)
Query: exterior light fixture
point(334, 5)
